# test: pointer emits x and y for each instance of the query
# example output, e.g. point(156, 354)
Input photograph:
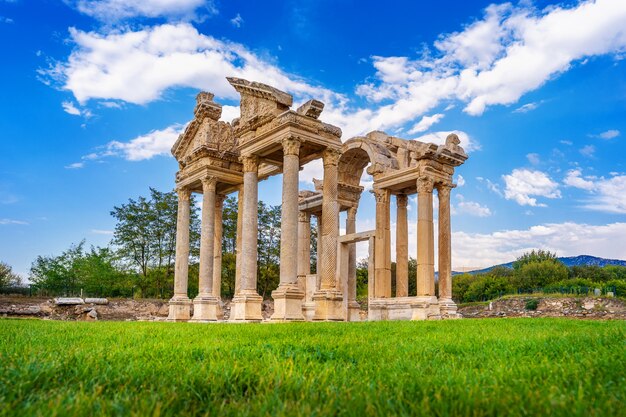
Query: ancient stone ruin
point(218, 158)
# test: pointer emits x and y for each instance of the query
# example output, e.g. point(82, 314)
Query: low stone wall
point(157, 310)
point(573, 307)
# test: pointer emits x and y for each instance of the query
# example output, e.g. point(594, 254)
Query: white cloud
point(533, 158)
point(12, 221)
point(237, 21)
point(609, 134)
point(566, 142)
point(425, 123)
point(101, 232)
point(499, 58)
point(460, 181)
point(5, 19)
point(526, 108)
point(587, 150)
point(69, 108)
point(566, 239)
point(471, 207)
point(75, 165)
point(606, 194)
point(521, 184)
point(116, 10)
point(439, 138)
point(157, 142)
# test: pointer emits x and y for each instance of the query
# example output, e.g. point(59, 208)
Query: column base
point(205, 308)
point(180, 309)
point(354, 311)
point(308, 310)
point(246, 307)
point(328, 305)
point(448, 309)
point(426, 308)
point(287, 304)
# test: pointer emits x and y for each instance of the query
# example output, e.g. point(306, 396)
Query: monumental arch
point(217, 158)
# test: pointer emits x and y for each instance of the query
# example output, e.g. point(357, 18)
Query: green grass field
point(525, 367)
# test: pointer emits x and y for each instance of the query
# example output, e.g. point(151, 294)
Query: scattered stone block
point(68, 301)
point(99, 301)
point(610, 294)
point(597, 292)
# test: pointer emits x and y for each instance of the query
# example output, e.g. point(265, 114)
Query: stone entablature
point(217, 158)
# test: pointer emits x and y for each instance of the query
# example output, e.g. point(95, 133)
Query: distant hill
point(580, 260)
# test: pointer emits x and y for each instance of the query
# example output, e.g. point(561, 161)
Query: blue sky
point(94, 92)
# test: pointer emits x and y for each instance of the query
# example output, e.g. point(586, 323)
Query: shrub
point(487, 287)
point(619, 287)
point(540, 274)
point(532, 304)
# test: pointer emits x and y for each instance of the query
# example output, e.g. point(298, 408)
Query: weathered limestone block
point(68, 301)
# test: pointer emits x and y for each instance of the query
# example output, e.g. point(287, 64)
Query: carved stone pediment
point(205, 132)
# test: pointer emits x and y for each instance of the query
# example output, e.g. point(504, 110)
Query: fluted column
point(425, 238)
point(205, 304)
point(179, 304)
point(382, 257)
point(402, 247)
point(238, 258)
point(353, 306)
point(330, 219)
point(246, 305)
point(288, 297)
point(304, 244)
point(447, 307)
point(217, 246)
point(329, 300)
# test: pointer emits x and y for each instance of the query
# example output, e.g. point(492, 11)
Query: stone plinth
point(448, 309)
point(180, 309)
point(328, 305)
point(425, 308)
point(246, 308)
point(288, 304)
point(205, 309)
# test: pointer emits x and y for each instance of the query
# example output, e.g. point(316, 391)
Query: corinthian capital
point(331, 157)
point(402, 200)
point(443, 190)
point(381, 195)
point(425, 185)
point(184, 194)
point(250, 163)
point(291, 145)
point(209, 183)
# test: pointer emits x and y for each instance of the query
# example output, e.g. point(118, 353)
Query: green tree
point(7, 277)
point(535, 275)
point(534, 256)
point(487, 287)
point(268, 270)
point(145, 238)
point(58, 273)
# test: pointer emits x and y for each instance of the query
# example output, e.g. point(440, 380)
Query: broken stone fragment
point(312, 109)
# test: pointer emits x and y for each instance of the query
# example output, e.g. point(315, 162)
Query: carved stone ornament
point(304, 217)
point(331, 157)
point(209, 183)
point(425, 185)
point(184, 194)
point(443, 190)
point(402, 200)
point(250, 163)
point(381, 195)
point(291, 145)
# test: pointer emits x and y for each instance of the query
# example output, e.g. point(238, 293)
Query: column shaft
point(289, 214)
point(207, 238)
point(330, 220)
point(239, 256)
point(382, 258)
point(445, 249)
point(217, 246)
point(402, 247)
point(351, 228)
point(425, 239)
point(304, 243)
point(181, 268)
point(250, 227)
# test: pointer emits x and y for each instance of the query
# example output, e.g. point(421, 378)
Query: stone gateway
point(217, 158)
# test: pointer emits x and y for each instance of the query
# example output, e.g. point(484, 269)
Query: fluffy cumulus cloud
point(484, 64)
point(604, 194)
point(471, 208)
point(523, 185)
point(115, 10)
point(609, 134)
point(500, 57)
point(439, 138)
point(566, 239)
point(157, 142)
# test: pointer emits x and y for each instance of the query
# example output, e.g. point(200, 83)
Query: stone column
point(353, 306)
point(318, 251)
point(288, 297)
point(304, 245)
point(447, 306)
point(425, 238)
point(246, 305)
point(205, 304)
point(217, 247)
point(402, 247)
point(329, 300)
point(180, 303)
point(238, 258)
point(382, 258)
